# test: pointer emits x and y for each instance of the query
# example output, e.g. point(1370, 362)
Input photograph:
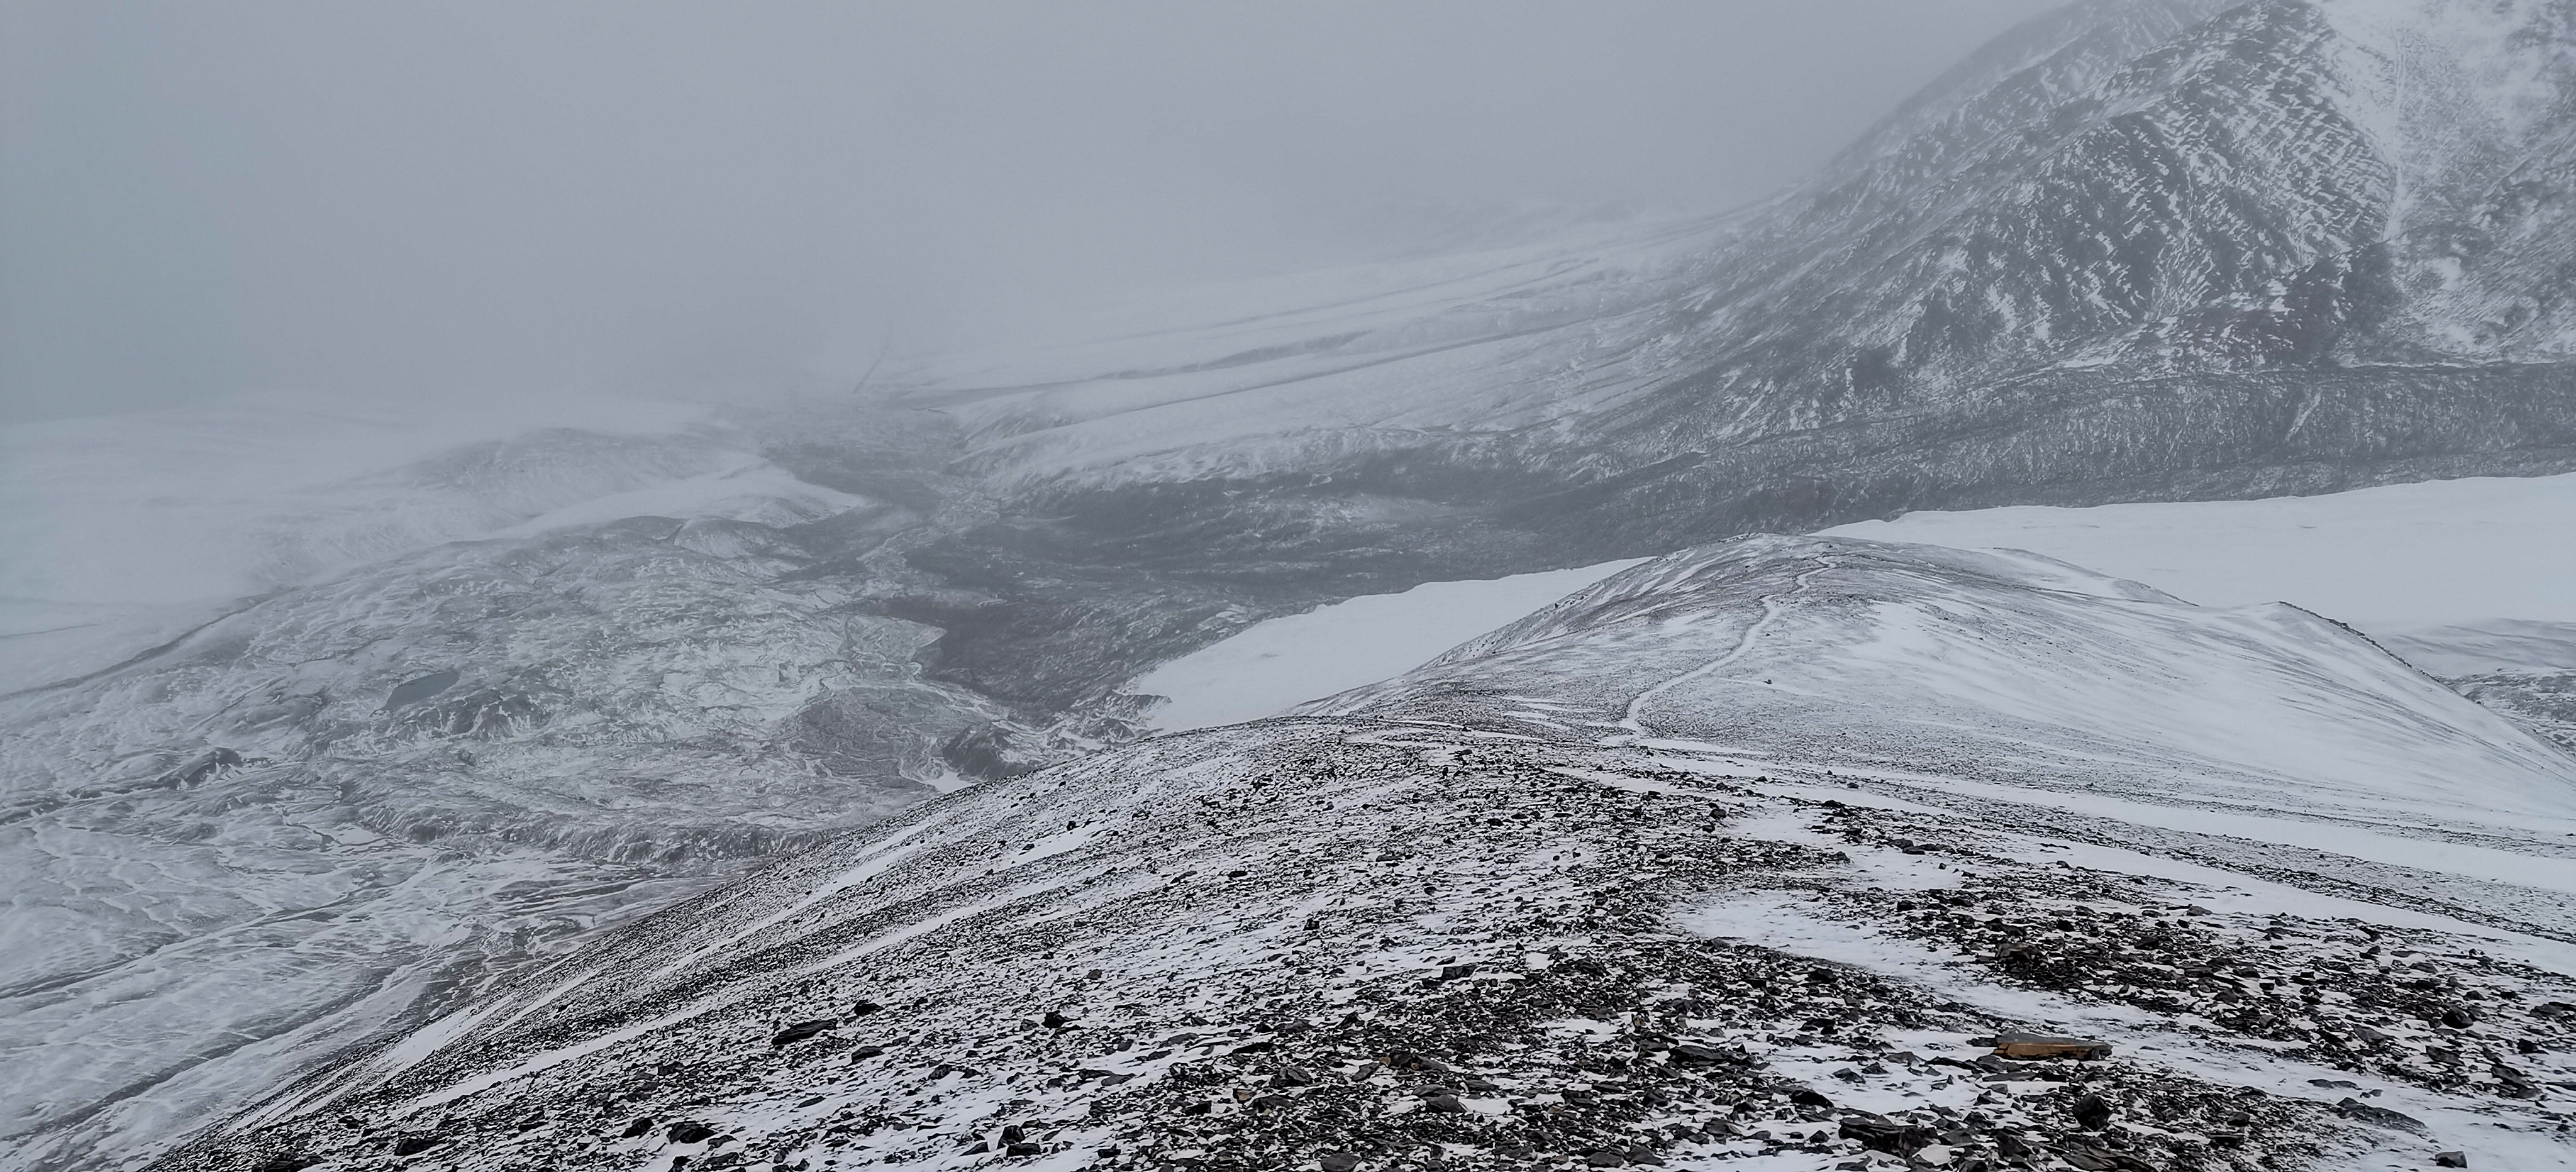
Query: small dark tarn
point(413, 691)
point(803, 1030)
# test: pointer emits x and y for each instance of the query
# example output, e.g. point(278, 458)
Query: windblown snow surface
point(2472, 580)
point(1726, 857)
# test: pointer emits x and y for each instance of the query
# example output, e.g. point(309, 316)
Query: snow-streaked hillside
point(315, 720)
point(2016, 671)
point(1559, 897)
point(2460, 578)
point(1305, 369)
point(327, 814)
point(119, 532)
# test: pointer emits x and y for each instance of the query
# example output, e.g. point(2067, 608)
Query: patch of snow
point(558, 1056)
point(1800, 926)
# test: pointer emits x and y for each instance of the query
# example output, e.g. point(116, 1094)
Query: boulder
point(2027, 1046)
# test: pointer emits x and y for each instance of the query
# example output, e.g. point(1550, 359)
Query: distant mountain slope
point(2144, 250)
point(2131, 251)
point(123, 531)
point(367, 765)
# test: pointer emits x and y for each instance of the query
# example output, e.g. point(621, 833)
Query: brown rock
point(2029, 1046)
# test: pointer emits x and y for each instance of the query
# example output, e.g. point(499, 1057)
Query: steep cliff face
point(2266, 184)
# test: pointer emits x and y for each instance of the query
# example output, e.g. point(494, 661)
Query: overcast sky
point(199, 200)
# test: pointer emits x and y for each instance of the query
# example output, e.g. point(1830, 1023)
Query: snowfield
point(2441, 552)
point(1275, 665)
point(2472, 580)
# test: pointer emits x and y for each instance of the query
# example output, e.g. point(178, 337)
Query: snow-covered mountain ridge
point(2013, 668)
point(1531, 906)
point(2131, 251)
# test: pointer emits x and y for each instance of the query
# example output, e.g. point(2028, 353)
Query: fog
point(203, 201)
